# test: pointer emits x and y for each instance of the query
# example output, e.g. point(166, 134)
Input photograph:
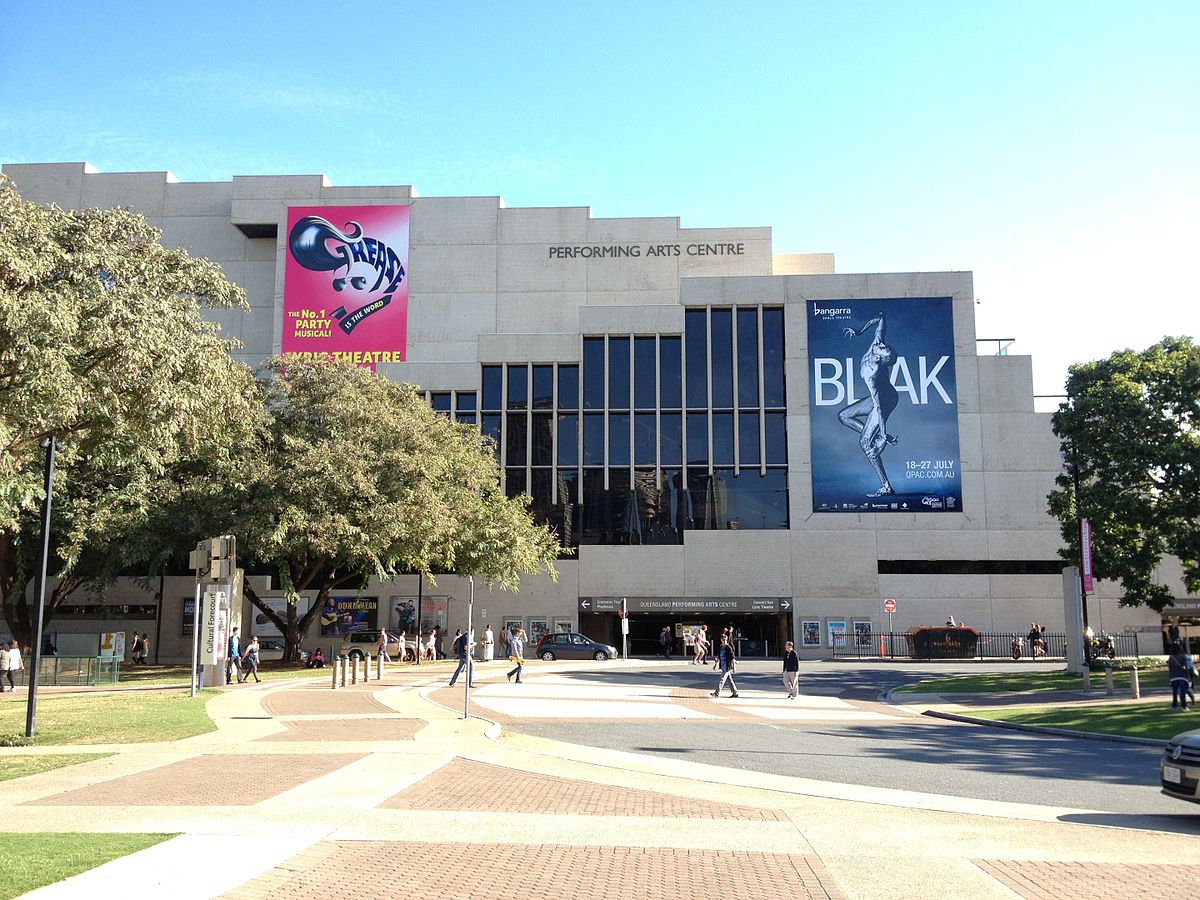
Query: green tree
point(102, 345)
point(1130, 433)
point(354, 475)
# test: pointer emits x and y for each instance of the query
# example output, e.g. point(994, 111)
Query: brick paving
point(516, 871)
point(240, 780)
point(467, 785)
point(1052, 880)
point(348, 730)
point(322, 703)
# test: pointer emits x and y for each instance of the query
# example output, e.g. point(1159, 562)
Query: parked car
point(569, 645)
point(357, 644)
point(271, 650)
point(1180, 767)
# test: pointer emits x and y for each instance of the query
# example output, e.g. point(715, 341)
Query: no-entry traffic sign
point(889, 605)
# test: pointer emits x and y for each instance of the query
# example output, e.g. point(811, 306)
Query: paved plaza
point(384, 789)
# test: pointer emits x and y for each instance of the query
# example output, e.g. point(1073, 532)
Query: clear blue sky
point(1053, 148)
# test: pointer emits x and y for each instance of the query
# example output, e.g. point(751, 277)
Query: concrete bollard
point(343, 664)
point(354, 670)
point(1110, 686)
point(335, 674)
point(1087, 678)
point(379, 668)
point(1135, 689)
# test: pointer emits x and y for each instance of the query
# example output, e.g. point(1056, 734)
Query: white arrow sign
point(785, 605)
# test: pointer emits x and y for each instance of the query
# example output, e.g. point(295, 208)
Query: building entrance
point(758, 632)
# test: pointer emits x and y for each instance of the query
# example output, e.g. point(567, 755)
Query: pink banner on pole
point(1085, 553)
point(345, 287)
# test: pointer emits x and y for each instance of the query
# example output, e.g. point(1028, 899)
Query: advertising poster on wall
point(345, 287)
point(884, 405)
point(263, 627)
point(342, 615)
point(403, 613)
point(862, 633)
point(837, 632)
point(810, 633)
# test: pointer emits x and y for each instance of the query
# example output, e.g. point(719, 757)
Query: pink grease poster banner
point(345, 283)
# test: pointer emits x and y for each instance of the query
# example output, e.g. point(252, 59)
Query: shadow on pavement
point(1174, 824)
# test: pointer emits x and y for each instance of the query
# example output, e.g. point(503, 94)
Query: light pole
point(468, 645)
point(51, 445)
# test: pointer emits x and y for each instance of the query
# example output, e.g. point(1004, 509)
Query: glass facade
point(648, 436)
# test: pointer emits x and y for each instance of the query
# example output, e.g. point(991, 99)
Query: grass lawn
point(1030, 681)
point(111, 718)
point(20, 766)
point(29, 861)
point(1147, 720)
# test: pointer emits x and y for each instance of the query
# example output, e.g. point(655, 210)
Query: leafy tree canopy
point(102, 345)
point(1130, 432)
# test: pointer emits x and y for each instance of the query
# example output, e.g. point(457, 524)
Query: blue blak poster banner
point(884, 406)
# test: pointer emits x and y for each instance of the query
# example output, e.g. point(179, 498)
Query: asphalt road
point(919, 754)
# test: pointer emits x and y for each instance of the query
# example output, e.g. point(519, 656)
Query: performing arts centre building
point(726, 434)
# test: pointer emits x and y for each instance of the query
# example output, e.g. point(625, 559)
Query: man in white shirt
point(14, 664)
point(489, 645)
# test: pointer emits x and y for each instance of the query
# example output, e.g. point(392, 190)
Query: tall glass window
point(465, 403)
point(618, 439)
point(747, 357)
point(593, 373)
point(493, 384)
point(696, 331)
point(644, 434)
point(772, 341)
point(518, 387)
point(593, 439)
point(618, 373)
point(697, 438)
point(722, 428)
point(568, 440)
point(543, 387)
point(722, 358)
point(671, 433)
point(568, 387)
point(748, 450)
point(643, 372)
point(542, 442)
point(670, 374)
point(440, 401)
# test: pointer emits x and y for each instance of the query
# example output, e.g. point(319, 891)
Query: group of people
point(139, 649)
point(1181, 670)
point(239, 663)
point(464, 645)
point(1037, 639)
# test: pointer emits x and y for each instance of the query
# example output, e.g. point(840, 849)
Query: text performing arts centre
point(726, 434)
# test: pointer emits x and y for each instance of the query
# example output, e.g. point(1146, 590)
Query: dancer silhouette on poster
point(869, 415)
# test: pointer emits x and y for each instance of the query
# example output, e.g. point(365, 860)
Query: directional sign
point(889, 605)
point(678, 605)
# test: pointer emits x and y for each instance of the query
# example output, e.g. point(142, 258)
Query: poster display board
point(836, 632)
point(810, 633)
point(345, 288)
point(884, 403)
point(261, 624)
point(343, 615)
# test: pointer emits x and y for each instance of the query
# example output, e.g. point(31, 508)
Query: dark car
point(569, 645)
point(1180, 767)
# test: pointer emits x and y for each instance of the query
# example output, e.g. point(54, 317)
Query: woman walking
point(250, 662)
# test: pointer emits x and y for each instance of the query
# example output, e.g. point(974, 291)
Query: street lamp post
point(468, 646)
point(36, 651)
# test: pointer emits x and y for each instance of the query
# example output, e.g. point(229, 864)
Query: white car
point(271, 650)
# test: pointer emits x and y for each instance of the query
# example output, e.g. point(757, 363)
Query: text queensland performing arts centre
point(726, 434)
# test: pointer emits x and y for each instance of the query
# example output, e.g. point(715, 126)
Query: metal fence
point(74, 671)
point(989, 645)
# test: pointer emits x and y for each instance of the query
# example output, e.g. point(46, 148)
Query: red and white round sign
point(889, 605)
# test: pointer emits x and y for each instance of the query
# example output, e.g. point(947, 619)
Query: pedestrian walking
point(462, 649)
point(1179, 672)
point(689, 640)
point(517, 648)
point(4, 667)
point(250, 662)
point(383, 645)
point(489, 644)
point(665, 641)
point(726, 635)
point(232, 662)
point(144, 650)
point(15, 664)
point(791, 670)
point(135, 648)
point(701, 645)
point(728, 662)
point(402, 640)
point(430, 645)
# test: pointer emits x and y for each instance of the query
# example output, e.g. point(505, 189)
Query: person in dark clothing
point(791, 670)
point(462, 649)
point(728, 663)
point(665, 641)
point(1179, 671)
point(250, 662)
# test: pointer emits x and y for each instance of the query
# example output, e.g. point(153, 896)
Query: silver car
point(1180, 767)
point(569, 645)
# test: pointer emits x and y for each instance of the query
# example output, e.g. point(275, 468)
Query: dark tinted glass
point(643, 372)
point(518, 387)
point(514, 482)
point(465, 401)
point(644, 443)
point(568, 486)
point(593, 439)
point(696, 333)
point(593, 518)
point(775, 431)
point(722, 358)
point(466, 418)
point(492, 385)
point(748, 449)
point(515, 439)
point(669, 374)
point(772, 340)
point(593, 373)
point(568, 440)
point(669, 513)
point(671, 434)
point(618, 373)
point(542, 440)
point(703, 500)
point(568, 387)
point(751, 501)
point(541, 487)
point(747, 357)
point(618, 439)
point(490, 426)
point(440, 402)
point(697, 438)
point(722, 424)
point(623, 523)
point(543, 387)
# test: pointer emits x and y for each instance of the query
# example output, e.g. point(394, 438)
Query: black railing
point(987, 645)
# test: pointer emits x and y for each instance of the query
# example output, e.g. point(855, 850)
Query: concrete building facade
point(652, 387)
